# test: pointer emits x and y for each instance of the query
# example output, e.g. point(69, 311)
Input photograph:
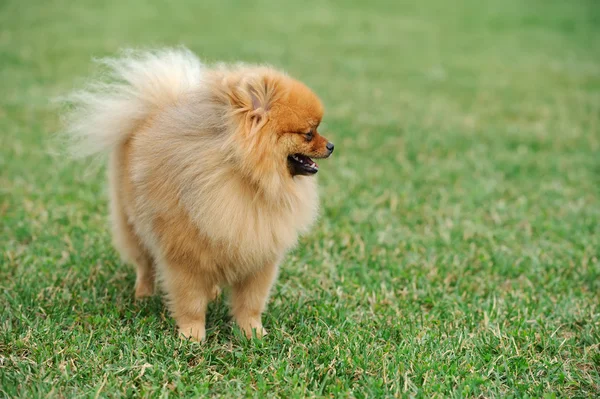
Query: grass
point(458, 250)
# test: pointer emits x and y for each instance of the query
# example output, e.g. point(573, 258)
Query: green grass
point(458, 250)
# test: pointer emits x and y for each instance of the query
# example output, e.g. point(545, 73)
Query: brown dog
point(210, 175)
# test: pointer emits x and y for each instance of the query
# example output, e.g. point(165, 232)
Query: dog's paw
point(143, 290)
point(260, 332)
point(252, 327)
point(195, 332)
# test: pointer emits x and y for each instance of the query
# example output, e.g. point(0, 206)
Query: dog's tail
point(136, 85)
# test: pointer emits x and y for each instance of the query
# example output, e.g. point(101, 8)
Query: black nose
point(330, 147)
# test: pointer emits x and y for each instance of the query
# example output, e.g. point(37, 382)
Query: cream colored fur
point(200, 192)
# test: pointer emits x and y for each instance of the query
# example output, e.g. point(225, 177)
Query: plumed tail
point(134, 87)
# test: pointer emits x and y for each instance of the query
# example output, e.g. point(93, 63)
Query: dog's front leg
point(249, 297)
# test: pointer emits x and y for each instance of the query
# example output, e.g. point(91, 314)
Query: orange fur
point(201, 191)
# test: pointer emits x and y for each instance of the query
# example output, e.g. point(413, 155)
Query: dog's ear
point(254, 95)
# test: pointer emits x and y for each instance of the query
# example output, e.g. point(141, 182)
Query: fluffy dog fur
point(204, 191)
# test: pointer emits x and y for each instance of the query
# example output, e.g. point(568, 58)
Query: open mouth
point(302, 165)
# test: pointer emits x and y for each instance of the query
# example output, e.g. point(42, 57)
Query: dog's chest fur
point(194, 211)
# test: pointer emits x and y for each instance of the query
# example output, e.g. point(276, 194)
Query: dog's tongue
point(309, 162)
point(303, 159)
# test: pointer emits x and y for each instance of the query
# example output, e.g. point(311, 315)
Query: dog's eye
point(309, 136)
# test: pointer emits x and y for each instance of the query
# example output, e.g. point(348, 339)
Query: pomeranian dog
point(210, 174)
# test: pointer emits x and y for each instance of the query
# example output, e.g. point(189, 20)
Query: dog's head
point(277, 121)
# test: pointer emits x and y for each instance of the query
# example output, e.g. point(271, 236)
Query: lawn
point(458, 249)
